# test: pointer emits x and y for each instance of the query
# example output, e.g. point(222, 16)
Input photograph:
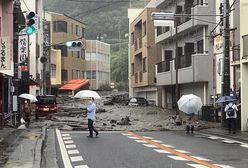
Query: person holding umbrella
point(91, 116)
point(27, 109)
point(231, 115)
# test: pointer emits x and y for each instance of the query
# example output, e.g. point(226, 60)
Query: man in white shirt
point(91, 116)
point(231, 116)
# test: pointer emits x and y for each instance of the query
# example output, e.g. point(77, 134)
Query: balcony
point(163, 66)
point(197, 70)
point(186, 24)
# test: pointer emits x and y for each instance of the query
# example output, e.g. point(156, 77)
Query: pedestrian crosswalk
point(70, 154)
point(174, 153)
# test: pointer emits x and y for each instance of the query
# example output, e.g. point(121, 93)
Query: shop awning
point(74, 84)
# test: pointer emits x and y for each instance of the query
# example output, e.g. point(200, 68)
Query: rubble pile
point(115, 115)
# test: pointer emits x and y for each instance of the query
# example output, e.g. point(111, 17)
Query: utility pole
point(226, 62)
point(176, 59)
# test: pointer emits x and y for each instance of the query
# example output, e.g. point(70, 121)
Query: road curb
point(39, 148)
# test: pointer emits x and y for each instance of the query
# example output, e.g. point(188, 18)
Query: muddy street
point(116, 116)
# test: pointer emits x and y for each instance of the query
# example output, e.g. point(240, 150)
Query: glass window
point(60, 26)
point(245, 46)
point(78, 30)
point(82, 74)
point(82, 32)
point(144, 64)
point(64, 74)
point(53, 70)
point(91, 74)
point(200, 46)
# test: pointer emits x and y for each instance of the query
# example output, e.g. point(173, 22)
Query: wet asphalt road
point(148, 150)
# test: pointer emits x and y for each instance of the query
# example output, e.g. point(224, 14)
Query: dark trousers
point(91, 127)
point(231, 123)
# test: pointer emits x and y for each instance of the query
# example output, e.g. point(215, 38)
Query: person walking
point(231, 115)
point(190, 123)
point(27, 109)
point(91, 116)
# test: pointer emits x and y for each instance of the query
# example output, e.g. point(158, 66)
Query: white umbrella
point(189, 103)
point(85, 94)
point(28, 96)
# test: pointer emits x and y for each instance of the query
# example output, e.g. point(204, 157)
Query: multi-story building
point(143, 55)
point(244, 63)
point(69, 64)
point(195, 51)
point(98, 63)
point(234, 49)
point(6, 58)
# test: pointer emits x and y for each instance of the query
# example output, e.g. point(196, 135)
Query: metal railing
point(163, 66)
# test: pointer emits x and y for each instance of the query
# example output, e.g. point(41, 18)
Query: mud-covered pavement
point(114, 117)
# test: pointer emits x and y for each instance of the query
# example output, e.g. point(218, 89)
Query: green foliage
point(122, 86)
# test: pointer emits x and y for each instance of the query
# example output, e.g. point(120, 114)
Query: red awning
point(74, 84)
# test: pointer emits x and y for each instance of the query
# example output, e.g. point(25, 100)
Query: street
point(170, 149)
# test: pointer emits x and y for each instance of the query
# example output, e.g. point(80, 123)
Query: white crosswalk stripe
point(81, 166)
point(70, 146)
point(197, 165)
point(150, 145)
point(161, 151)
point(76, 158)
point(70, 152)
point(69, 142)
point(177, 158)
point(141, 141)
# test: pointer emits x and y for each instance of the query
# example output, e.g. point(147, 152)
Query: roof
point(74, 84)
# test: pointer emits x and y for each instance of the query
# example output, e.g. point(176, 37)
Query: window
point(71, 28)
point(245, 46)
point(63, 49)
point(167, 55)
point(64, 74)
point(60, 26)
point(91, 74)
point(53, 70)
point(144, 64)
point(82, 75)
point(144, 29)
point(132, 69)
point(78, 54)
point(78, 74)
point(200, 46)
point(78, 30)
point(82, 32)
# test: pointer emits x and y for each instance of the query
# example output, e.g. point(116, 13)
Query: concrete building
point(195, 51)
point(234, 49)
point(98, 63)
point(70, 64)
point(244, 63)
point(143, 55)
point(132, 14)
point(6, 58)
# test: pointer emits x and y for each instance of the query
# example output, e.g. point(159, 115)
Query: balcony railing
point(185, 61)
point(164, 66)
point(136, 77)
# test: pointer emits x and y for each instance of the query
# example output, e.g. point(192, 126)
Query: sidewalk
point(243, 136)
point(26, 150)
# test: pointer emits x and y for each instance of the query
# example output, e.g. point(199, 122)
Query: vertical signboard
point(5, 62)
point(23, 52)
